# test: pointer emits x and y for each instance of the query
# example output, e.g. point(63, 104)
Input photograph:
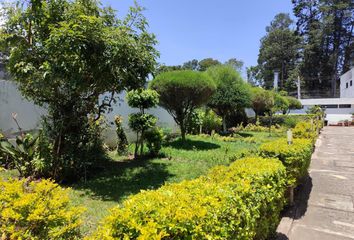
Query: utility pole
point(298, 84)
point(276, 80)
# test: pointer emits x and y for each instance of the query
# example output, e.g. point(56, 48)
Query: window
point(345, 106)
point(351, 82)
point(330, 106)
point(346, 85)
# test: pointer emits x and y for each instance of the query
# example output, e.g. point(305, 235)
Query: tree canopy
point(231, 91)
point(279, 51)
point(181, 92)
point(65, 54)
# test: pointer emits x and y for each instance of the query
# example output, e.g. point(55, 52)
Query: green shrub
point(154, 137)
point(242, 201)
point(211, 121)
point(181, 92)
point(295, 157)
point(37, 210)
point(22, 154)
point(306, 130)
point(283, 120)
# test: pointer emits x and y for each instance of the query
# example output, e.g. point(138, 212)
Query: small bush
point(154, 137)
point(242, 201)
point(295, 157)
point(259, 128)
point(306, 130)
point(37, 210)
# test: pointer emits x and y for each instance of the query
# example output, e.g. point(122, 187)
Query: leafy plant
point(241, 201)
point(65, 55)
point(231, 91)
point(37, 210)
point(122, 141)
point(23, 154)
point(154, 137)
point(141, 121)
point(295, 157)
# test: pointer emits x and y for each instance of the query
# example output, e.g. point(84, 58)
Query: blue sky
point(196, 29)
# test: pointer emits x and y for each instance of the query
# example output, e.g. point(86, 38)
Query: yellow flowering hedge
point(37, 210)
point(242, 201)
point(295, 157)
point(306, 130)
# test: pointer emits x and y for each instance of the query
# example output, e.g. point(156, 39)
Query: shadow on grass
point(120, 179)
point(244, 134)
point(189, 144)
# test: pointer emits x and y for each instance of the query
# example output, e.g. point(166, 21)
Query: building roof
point(326, 101)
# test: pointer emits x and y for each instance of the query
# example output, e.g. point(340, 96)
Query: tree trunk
point(224, 123)
point(142, 143)
point(270, 123)
point(136, 146)
point(183, 132)
point(255, 117)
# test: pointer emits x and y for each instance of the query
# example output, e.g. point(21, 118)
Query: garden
point(221, 175)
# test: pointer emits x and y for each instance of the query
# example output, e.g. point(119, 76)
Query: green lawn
point(123, 177)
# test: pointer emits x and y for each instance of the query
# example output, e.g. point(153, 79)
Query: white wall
point(29, 115)
point(347, 84)
point(11, 101)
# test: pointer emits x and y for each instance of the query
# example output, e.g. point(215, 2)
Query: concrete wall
point(347, 84)
point(29, 115)
point(11, 101)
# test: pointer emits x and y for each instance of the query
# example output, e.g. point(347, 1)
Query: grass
point(179, 161)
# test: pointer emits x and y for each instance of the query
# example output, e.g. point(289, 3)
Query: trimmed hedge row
point(295, 157)
point(284, 120)
point(242, 201)
point(37, 210)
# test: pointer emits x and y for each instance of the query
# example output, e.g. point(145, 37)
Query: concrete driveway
point(324, 205)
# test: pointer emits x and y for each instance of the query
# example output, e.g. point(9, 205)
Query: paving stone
point(324, 207)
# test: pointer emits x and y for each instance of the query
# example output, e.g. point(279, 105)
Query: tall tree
point(64, 54)
point(207, 63)
point(279, 51)
point(235, 63)
point(327, 28)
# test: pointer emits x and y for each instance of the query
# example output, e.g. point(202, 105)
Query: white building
point(337, 109)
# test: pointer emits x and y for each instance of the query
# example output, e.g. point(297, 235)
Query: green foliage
point(207, 63)
point(181, 92)
point(37, 210)
point(211, 122)
point(294, 103)
point(22, 154)
point(295, 157)
point(122, 141)
point(140, 122)
point(242, 201)
point(154, 137)
point(326, 27)
point(142, 98)
point(64, 55)
point(261, 100)
point(306, 130)
point(278, 51)
point(231, 92)
point(204, 121)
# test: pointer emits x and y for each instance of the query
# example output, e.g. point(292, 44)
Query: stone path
point(324, 206)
